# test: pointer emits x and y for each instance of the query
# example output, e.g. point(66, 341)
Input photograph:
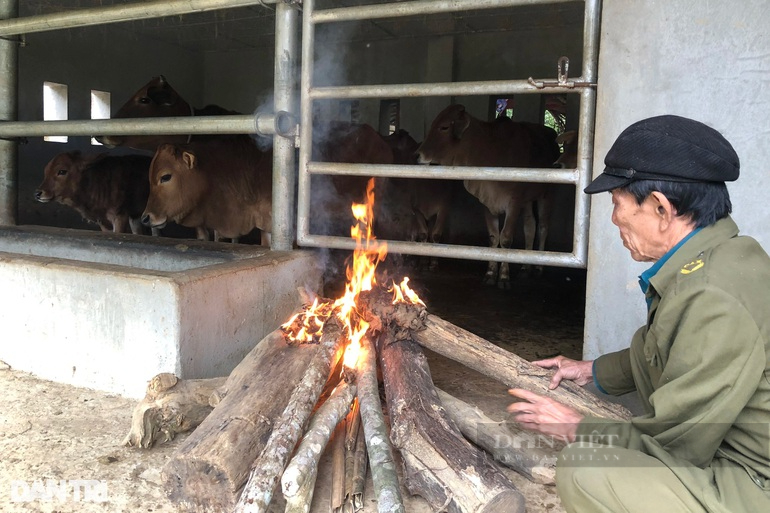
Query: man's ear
point(664, 209)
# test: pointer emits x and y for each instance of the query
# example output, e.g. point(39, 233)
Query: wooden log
point(360, 466)
point(480, 355)
point(339, 467)
point(209, 468)
point(520, 450)
point(269, 465)
point(170, 406)
point(384, 475)
point(440, 465)
point(319, 431)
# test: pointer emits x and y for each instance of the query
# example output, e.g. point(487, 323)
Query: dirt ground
point(50, 431)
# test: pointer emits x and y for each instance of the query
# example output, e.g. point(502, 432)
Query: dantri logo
point(59, 490)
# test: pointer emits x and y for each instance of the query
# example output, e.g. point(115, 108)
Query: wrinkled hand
point(581, 372)
point(544, 415)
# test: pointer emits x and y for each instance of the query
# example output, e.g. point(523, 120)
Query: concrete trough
point(110, 311)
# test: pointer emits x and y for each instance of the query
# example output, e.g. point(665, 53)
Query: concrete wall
point(711, 63)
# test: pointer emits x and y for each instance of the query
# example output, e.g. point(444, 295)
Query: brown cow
point(425, 199)
point(223, 185)
point(158, 99)
point(458, 139)
point(110, 191)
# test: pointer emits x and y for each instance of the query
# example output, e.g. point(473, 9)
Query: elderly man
point(701, 364)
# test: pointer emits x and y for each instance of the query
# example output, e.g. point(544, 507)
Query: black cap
point(669, 148)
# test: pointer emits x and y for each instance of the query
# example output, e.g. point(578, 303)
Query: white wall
point(706, 60)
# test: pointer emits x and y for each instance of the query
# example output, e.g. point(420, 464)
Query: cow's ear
point(460, 124)
point(189, 159)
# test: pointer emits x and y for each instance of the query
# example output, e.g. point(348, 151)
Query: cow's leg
point(493, 228)
point(437, 234)
point(544, 206)
point(136, 225)
point(202, 233)
point(530, 227)
point(119, 224)
point(421, 235)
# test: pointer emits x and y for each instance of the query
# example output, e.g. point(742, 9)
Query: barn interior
point(226, 57)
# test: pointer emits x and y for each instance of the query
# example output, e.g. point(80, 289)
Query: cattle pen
point(110, 311)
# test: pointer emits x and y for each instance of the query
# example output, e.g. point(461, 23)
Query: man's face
point(639, 226)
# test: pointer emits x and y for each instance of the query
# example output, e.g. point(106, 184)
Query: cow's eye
point(144, 99)
point(61, 172)
point(165, 178)
point(444, 128)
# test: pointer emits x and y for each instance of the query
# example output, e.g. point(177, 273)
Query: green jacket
point(701, 366)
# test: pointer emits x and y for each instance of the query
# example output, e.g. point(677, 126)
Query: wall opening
point(54, 107)
point(100, 108)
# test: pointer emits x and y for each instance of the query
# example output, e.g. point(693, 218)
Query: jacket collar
point(692, 249)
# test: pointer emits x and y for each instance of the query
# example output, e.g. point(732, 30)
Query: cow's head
point(155, 99)
point(568, 158)
point(444, 136)
point(404, 147)
point(61, 178)
point(176, 186)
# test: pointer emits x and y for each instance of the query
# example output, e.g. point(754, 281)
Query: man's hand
point(581, 372)
point(544, 415)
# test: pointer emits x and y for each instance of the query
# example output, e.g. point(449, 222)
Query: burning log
point(384, 476)
point(303, 466)
point(441, 465)
point(209, 468)
point(171, 406)
point(268, 467)
point(515, 448)
point(462, 346)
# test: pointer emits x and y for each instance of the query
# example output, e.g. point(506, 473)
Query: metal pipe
point(435, 89)
point(264, 124)
point(393, 10)
point(453, 251)
point(306, 124)
point(284, 174)
point(9, 154)
point(500, 174)
point(117, 14)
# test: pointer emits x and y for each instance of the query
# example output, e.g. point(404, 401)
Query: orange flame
point(360, 275)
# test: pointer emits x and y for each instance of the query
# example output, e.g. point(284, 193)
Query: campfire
point(314, 382)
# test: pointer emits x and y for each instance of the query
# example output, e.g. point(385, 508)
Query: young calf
point(110, 191)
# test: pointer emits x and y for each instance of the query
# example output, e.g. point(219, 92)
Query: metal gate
point(579, 177)
point(279, 122)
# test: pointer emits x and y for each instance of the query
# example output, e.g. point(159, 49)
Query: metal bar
point(117, 14)
point(453, 251)
point(9, 154)
point(284, 87)
point(138, 126)
point(306, 124)
point(393, 10)
point(502, 174)
point(436, 89)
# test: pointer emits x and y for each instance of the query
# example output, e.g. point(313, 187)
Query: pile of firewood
point(264, 427)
